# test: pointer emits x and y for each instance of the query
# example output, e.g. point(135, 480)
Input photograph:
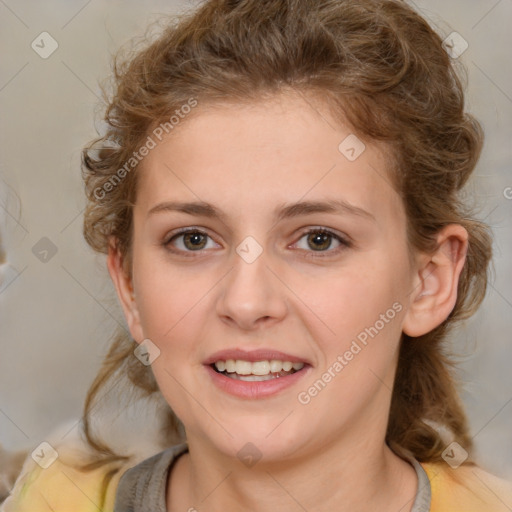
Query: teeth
point(243, 367)
point(251, 378)
point(257, 369)
point(276, 366)
point(287, 366)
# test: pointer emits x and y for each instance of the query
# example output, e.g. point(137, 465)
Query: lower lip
point(255, 390)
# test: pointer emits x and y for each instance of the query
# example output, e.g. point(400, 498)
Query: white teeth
point(287, 366)
point(257, 368)
point(260, 368)
point(276, 365)
point(251, 378)
point(243, 367)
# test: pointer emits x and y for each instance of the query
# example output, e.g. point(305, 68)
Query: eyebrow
point(203, 209)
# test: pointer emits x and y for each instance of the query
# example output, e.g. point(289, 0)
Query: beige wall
point(56, 316)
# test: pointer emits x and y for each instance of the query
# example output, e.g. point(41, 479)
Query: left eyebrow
point(338, 206)
point(203, 209)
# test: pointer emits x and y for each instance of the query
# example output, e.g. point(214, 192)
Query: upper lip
point(252, 355)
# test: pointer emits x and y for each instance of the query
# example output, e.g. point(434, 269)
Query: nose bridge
point(250, 291)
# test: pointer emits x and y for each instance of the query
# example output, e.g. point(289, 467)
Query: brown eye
point(194, 240)
point(320, 240)
point(191, 240)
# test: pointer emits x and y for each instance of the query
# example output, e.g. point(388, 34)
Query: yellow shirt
point(467, 489)
point(60, 488)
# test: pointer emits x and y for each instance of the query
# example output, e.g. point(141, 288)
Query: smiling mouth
point(256, 371)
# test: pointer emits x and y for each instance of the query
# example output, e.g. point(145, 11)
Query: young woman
point(278, 197)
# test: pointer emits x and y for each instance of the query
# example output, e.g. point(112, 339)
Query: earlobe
point(125, 292)
point(435, 292)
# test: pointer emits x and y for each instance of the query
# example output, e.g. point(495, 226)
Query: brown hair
point(376, 63)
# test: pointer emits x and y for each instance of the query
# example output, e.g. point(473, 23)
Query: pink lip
point(252, 356)
point(255, 390)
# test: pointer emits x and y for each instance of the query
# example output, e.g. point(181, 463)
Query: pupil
point(194, 239)
point(320, 239)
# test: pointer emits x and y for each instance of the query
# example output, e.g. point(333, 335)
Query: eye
point(321, 240)
point(316, 240)
point(188, 240)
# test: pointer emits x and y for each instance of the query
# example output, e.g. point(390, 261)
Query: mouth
point(255, 374)
point(256, 371)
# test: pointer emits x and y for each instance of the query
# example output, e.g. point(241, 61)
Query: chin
point(256, 438)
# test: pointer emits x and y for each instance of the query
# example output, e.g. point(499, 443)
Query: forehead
point(267, 152)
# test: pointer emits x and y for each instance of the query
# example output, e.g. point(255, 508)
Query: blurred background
point(57, 305)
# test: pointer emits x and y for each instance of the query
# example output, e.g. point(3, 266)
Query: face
point(293, 276)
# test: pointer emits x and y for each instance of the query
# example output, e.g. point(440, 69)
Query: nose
point(251, 296)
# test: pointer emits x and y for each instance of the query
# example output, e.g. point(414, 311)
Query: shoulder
point(468, 488)
point(56, 484)
point(62, 487)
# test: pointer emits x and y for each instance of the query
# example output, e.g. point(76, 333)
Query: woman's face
point(250, 285)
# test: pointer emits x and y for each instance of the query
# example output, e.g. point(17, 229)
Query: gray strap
point(424, 493)
point(143, 487)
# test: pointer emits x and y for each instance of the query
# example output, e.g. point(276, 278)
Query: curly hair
point(379, 66)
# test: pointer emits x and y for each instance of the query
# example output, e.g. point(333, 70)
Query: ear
point(436, 282)
point(124, 288)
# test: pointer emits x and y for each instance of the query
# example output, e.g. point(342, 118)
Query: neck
point(347, 474)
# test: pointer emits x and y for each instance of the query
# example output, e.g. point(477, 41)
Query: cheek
point(363, 311)
point(355, 299)
point(173, 308)
point(168, 296)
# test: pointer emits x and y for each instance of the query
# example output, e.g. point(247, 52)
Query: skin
point(247, 160)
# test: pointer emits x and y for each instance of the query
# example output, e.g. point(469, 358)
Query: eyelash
point(344, 243)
